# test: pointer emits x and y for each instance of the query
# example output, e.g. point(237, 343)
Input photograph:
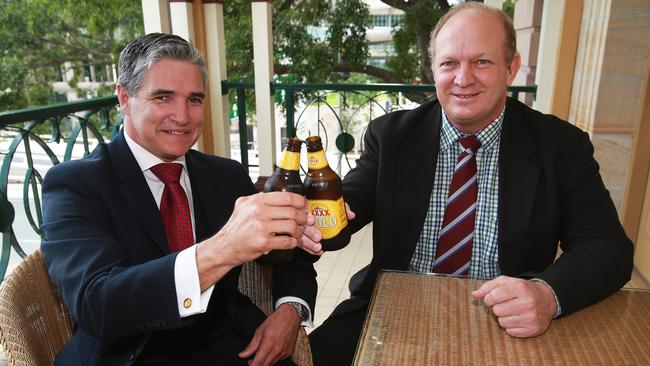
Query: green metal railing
point(77, 126)
point(27, 130)
point(353, 98)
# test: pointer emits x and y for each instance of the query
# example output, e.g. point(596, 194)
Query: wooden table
point(417, 319)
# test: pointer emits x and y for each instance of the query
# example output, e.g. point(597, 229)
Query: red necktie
point(174, 208)
point(454, 249)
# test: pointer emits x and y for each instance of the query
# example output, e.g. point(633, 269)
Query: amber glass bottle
point(324, 191)
point(285, 178)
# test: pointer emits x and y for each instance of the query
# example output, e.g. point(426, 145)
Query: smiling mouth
point(175, 132)
point(466, 95)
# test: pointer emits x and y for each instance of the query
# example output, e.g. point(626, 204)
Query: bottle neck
point(317, 160)
point(290, 160)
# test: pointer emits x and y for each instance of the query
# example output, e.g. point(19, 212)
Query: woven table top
point(417, 319)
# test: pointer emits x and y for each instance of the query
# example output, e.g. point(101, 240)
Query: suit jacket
point(106, 250)
point(550, 192)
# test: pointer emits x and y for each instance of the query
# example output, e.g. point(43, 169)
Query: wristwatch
point(301, 309)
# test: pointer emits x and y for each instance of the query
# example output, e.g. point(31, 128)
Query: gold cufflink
point(187, 303)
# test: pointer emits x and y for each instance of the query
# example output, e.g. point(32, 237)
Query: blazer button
point(187, 303)
point(131, 357)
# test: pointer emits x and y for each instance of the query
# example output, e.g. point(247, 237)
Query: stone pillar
point(263, 57)
point(216, 59)
point(182, 18)
point(494, 3)
point(527, 21)
point(611, 67)
point(156, 16)
point(556, 58)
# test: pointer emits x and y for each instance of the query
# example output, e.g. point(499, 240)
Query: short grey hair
point(139, 55)
point(509, 29)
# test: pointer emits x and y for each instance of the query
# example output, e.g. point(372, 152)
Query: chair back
point(34, 322)
point(256, 282)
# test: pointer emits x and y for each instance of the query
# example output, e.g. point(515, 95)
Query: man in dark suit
point(528, 181)
point(145, 238)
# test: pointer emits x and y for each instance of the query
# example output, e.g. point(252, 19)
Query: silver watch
point(301, 309)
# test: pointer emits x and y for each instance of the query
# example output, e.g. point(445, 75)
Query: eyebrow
point(171, 92)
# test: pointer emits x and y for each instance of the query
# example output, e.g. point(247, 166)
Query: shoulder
point(92, 167)
point(405, 124)
point(546, 130)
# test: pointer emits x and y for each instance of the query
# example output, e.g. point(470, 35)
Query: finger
point(285, 227)
point(314, 248)
point(279, 242)
point(513, 321)
point(284, 199)
point(252, 347)
point(262, 356)
point(520, 332)
point(285, 213)
point(313, 234)
point(350, 213)
point(489, 286)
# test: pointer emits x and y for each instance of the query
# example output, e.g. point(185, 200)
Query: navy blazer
point(550, 192)
point(106, 250)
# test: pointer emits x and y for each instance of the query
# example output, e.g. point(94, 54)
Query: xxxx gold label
point(330, 216)
point(316, 160)
point(290, 161)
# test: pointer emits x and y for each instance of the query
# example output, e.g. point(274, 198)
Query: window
point(396, 19)
point(380, 20)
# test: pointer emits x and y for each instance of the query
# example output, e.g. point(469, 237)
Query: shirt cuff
point(307, 323)
point(190, 299)
point(557, 302)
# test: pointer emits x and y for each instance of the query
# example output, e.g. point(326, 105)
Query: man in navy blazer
point(135, 301)
point(538, 185)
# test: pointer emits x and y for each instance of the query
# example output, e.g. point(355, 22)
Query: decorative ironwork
point(44, 128)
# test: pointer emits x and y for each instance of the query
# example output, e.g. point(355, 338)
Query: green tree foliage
point(39, 36)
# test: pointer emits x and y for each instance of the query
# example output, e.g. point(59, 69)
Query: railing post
point(263, 56)
point(243, 132)
point(288, 106)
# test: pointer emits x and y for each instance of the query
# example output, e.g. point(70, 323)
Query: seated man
point(476, 184)
point(145, 238)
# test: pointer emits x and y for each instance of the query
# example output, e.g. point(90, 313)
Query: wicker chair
point(34, 322)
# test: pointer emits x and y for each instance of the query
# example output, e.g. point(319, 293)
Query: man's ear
point(123, 98)
point(513, 68)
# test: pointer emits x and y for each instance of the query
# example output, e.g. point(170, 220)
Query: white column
point(182, 19)
point(216, 56)
point(156, 16)
point(263, 60)
point(494, 3)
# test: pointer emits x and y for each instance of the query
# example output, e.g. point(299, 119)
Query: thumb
point(350, 213)
point(488, 286)
point(252, 347)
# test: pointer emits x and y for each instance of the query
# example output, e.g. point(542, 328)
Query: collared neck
point(146, 159)
point(488, 137)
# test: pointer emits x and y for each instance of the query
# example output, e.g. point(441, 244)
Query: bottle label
point(316, 159)
point(330, 216)
point(290, 160)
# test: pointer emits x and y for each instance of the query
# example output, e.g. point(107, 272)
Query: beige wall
point(608, 82)
point(527, 21)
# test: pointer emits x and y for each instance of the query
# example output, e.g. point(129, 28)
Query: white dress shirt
point(189, 298)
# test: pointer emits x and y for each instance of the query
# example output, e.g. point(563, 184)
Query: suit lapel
point(205, 196)
point(416, 167)
point(518, 178)
point(134, 190)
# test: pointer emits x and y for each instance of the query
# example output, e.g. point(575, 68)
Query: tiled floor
point(335, 269)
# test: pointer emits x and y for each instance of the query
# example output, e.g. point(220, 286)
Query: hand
point(275, 339)
point(252, 230)
point(523, 308)
point(310, 241)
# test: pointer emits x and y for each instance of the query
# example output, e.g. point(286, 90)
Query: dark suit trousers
point(335, 341)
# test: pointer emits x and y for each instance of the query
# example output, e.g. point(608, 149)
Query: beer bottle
point(285, 178)
point(324, 191)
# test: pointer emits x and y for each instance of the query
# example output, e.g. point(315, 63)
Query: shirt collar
point(488, 137)
point(145, 158)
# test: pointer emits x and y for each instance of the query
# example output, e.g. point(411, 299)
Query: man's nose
point(181, 113)
point(464, 76)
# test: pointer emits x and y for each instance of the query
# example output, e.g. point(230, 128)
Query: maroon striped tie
point(454, 249)
point(174, 208)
